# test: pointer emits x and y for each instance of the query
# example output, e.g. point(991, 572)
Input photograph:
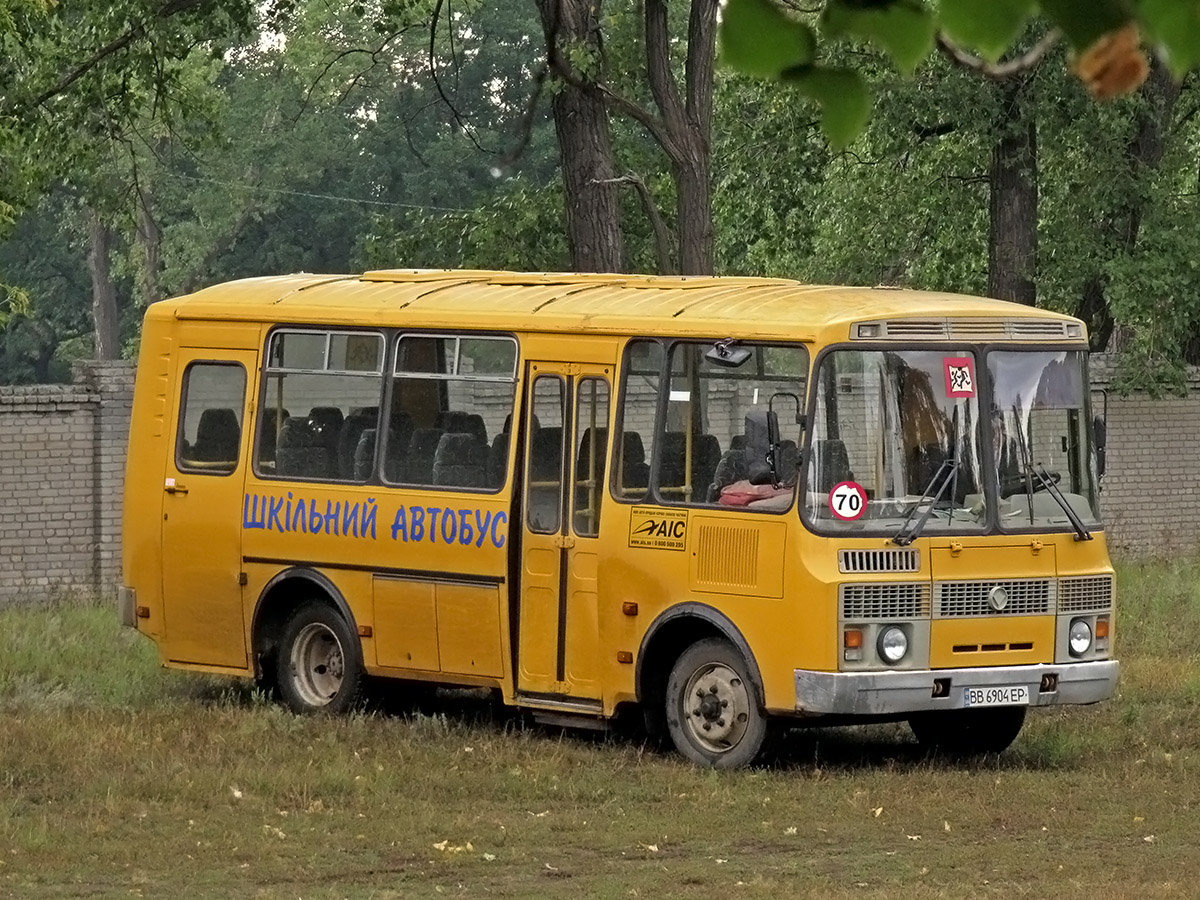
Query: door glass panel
point(591, 452)
point(210, 430)
point(635, 428)
point(546, 456)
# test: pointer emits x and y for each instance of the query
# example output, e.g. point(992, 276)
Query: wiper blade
point(1048, 485)
point(905, 534)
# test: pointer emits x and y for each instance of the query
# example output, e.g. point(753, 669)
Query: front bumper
point(885, 693)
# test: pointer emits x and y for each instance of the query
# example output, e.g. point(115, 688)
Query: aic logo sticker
point(662, 529)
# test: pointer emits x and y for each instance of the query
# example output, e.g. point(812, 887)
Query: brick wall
point(1151, 489)
point(62, 458)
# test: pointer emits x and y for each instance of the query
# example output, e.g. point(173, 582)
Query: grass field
point(119, 779)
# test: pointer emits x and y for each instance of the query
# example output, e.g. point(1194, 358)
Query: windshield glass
point(896, 443)
point(1041, 434)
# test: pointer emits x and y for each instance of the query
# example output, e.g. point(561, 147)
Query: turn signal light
point(1102, 628)
point(853, 638)
point(143, 612)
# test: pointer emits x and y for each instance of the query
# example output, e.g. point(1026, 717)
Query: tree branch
point(664, 244)
point(658, 66)
point(437, 82)
point(525, 127)
point(1012, 67)
point(643, 117)
point(701, 58)
point(136, 32)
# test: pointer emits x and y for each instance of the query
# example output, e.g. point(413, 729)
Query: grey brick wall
point(62, 459)
point(1151, 489)
point(62, 465)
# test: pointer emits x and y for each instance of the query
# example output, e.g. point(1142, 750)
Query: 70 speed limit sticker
point(848, 500)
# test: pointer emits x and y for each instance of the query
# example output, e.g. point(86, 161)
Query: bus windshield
point(900, 445)
point(1042, 442)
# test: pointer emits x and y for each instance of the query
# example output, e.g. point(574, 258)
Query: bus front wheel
point(968, 732)
point(712, 712)
point(319, 664)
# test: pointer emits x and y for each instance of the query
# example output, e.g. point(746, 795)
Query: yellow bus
point(718, 503)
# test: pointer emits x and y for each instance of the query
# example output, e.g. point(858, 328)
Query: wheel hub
point(716, 707)
point(318, 664)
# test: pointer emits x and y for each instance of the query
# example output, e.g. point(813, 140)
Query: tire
point(968, 732)
point(712, 709)
point(319, 665)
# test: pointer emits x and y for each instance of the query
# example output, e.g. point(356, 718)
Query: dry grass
point(118, 779)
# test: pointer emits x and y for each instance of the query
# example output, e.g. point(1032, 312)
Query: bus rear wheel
point(968, 732)
point(319, 666)
point(712, 711)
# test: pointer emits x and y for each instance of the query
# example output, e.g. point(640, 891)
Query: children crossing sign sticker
point(848, 500)
point(960, 376)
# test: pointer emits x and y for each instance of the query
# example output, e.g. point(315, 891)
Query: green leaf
point(1176, 26)
point(903, 28)
point(759, 38)
point(1084, 23)
point(844, 98)
point(989, 26)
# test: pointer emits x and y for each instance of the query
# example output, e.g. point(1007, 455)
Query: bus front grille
point(1008, 597)
point(885, 602)
point(1091, 593)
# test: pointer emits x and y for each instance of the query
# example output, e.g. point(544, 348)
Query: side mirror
point(762, 446)
point(1100, 438)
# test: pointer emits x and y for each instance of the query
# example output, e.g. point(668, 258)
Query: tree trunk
point(149, 237)
point(693, 187)
point(1013, 182)
point(686, 125)
point(105, 319)
point(592, 195)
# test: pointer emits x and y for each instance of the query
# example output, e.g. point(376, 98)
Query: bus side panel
point(424, 570)
point(778, 619)
point(150, 426)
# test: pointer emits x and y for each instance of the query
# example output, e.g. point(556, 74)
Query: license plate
point(1000, 695)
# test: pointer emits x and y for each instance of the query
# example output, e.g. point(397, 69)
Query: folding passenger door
point(202, 509)
point(566, 447)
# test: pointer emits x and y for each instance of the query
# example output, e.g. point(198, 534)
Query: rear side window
point(450, 421)
point(320, 409)
point(210, 424)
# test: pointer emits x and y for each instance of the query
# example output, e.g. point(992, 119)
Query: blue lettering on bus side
point(412, 524)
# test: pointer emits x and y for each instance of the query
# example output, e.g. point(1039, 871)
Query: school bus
point(719, 503)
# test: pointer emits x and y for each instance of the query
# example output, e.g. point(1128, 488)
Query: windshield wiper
point(905, 535)
point(1039, 472)
point(1047, 482)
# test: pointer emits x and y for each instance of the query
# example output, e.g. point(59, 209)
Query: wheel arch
point(281, 595)
point(672, 632)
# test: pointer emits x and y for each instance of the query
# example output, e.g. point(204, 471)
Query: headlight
point(1080, 637)
point(893, 644)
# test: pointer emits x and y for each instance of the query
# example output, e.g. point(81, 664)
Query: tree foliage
point(1108, 39)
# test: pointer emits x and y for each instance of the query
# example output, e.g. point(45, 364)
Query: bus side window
point(640, 379)
point(450, 394)
point(320, 407)
point(703, 458)
point(210, 424)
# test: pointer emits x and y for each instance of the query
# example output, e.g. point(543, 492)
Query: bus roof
point(606, 303)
